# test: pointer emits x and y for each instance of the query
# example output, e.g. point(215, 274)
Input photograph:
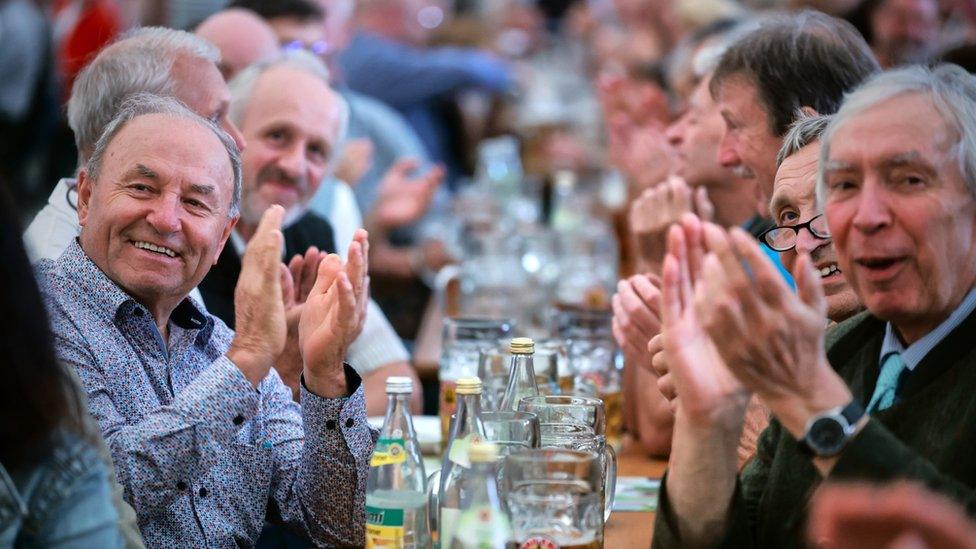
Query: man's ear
point(223, 238)
point(808, 112)
point(84, 195)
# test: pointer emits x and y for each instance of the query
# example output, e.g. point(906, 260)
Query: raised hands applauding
point(301, 317)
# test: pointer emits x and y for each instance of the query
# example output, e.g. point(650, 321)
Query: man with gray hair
point(294, 123)
point(206, 438)
point(890, 394)
point(153, 60)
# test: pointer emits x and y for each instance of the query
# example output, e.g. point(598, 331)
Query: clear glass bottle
point(466, 429)
point(482, 524)
point(396, 486)
point(521, 374)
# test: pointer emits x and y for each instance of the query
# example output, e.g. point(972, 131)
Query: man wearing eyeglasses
point(800, 228)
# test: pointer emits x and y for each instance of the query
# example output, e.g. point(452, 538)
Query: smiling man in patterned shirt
point(206, 438)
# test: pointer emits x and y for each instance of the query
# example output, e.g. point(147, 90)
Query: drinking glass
point(553, 497)
point(582, 438)
point(511, 431)
point(550, 361)
point(568, 409)
point(463, 340)
point(595, 361)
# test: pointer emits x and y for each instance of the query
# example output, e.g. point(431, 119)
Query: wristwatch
point(827, 433)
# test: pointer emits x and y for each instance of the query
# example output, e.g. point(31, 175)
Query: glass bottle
point(521, 375)
point(482, 523)
point(396, 486)
point(466, 429)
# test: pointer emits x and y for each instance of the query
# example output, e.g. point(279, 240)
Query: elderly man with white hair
point(206, 438)
point(890, 394)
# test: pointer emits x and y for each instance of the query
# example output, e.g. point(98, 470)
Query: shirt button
point(203, 492)
point(330, 425)
point(350, 423)
point(180, 485)
point(239, 419)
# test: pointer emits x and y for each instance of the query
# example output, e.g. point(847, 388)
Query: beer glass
point(595, 361)
point(463, 340)
point(568, 409)
point(553, 498)
point(511, 432)
point(581, 438)
point(550, 361)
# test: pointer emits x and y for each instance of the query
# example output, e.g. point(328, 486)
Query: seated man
point(178, 64)
point(890, 395)
point(206, 438)
point(292, 121)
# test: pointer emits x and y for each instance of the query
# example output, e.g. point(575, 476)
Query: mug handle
point(433, 503)
point(609, 481)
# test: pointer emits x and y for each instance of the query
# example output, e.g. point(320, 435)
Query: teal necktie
point(884, 391)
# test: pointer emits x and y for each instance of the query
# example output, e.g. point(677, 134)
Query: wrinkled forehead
point(176, 148)
point(906, 127)
point(796, 179)
point(297, 97)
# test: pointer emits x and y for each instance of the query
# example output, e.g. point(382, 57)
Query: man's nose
point(873, 212)
point(235, 133)
point(164, 216)
point(292, 161)
point(807, 242)
point(727, 155)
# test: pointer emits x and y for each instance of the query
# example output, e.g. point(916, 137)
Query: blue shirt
point(200, 453)
point(917, 351)
point(411, 79)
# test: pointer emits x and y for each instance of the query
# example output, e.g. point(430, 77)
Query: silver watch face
point(826, 436)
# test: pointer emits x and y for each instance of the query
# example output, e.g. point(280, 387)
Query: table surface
point(628, 528)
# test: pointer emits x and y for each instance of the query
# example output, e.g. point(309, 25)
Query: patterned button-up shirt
point(204, 457)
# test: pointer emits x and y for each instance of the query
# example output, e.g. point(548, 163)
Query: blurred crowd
point(719, 175)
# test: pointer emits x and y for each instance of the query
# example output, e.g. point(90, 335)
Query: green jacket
point(929, 435)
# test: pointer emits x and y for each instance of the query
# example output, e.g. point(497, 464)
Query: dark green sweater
point(929, 435)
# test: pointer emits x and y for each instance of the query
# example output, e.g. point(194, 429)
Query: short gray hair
point(143, 104)
point(804, 131)
point(242, 86)
point(952, 91)
point(140, 62)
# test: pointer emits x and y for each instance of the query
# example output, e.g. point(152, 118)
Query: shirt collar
point(109, 297)
point(917, 351)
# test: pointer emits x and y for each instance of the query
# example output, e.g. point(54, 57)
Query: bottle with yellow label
point(396, 513)
point(466, 429)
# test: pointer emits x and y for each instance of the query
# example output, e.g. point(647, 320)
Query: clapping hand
point(706, 389)
point(636, 316)
point(770, 338)
point(333, 317)
point(259, 307)
point(403, 199)
point(656, 210)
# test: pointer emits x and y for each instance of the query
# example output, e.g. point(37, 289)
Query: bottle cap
point(521, 346)
point(482, 452)
point(469, 386)
point(399, 385)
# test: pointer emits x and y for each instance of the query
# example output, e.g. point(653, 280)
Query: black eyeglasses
point(783, 239)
